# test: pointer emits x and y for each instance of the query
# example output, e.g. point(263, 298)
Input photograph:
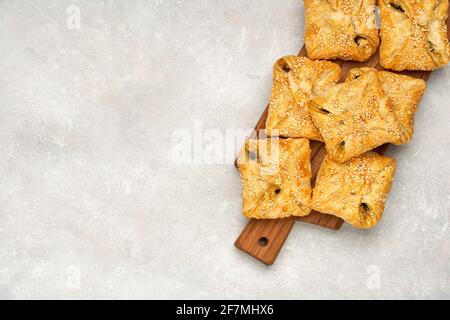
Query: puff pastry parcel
point(355, 190)
point(405, 93)
point(414, 34)
point(355, 117)
point(295, 81)
point(275, 175)
point(341, 29)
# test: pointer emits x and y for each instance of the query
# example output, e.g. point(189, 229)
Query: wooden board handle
point(264, 238)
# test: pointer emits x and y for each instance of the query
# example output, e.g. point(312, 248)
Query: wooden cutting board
point(263, 239)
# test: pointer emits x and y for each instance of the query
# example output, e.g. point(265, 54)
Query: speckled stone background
point(91, 205)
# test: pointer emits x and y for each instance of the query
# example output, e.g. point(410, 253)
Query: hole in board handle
point(263, 241)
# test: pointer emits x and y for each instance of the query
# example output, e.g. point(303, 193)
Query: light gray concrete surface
point(92, 206)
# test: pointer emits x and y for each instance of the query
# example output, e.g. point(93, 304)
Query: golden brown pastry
point(405, 93)
point(295, 81)
point(341, 29)
point(355, 117)
point(275, 175)
point(414, 34)
point(355, 190)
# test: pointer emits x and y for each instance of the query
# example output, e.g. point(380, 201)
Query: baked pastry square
point(341, 29)
point(355, 190)
point(295, 81)
point(355, 117)
point(405, 93)
point(276, 178)
point(414, 34)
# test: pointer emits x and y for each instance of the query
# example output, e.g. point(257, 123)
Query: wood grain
point(263, 239)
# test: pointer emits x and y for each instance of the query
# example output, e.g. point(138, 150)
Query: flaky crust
point(355, 117)
point(295, 81)
point(341, 29)
point(276, 178)
point(414, 34)
point(405, 93)
point(355, 190)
